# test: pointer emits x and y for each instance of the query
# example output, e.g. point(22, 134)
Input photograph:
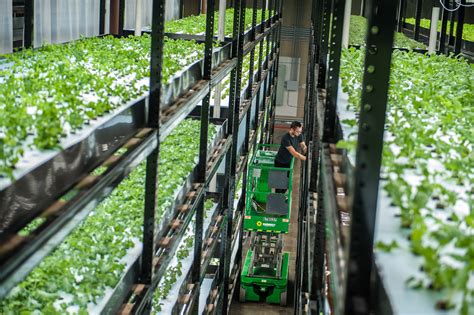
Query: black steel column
point(419, 5)
point(151, 180)
point(29, 16)
point(260, 58)
point(444, 26)
point(102, 17)
point(335, 47)
point(202, 164)
point(318, 28)
point(323, 44)
point(381, 25)
point(239, 28)
point(401, 12)
point(252, 65)
point(459, 28)
point(270, 11)
point(276, 39)
point(122, 17)
point(262, 24)
point(249, 92)
point(318, 274)
point(451, 25)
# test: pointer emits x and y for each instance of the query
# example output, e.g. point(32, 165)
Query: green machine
point(267, 216)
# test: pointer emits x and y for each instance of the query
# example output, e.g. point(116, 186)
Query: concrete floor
point(290, 241)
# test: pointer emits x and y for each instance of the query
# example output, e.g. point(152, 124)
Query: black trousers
point(285, 165)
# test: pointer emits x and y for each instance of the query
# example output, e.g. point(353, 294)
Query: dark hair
point(295, 124)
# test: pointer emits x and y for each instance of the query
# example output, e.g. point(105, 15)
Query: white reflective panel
point(171, 12)
point(59, 21)
point(6, 26)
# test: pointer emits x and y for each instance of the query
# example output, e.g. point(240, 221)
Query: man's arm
point(303, 147)
point(296, 154)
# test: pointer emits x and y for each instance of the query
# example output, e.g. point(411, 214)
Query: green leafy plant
point(174, 271)
point(196, 24)
point(429, 161)
point(358, 29)
point(75, 275)
point(467, 32)
point(53, 91)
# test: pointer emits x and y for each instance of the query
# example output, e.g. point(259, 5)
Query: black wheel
point(242, 295)
point(283, 299)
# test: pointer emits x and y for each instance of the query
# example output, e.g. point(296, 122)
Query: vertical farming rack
point(138, 128)
point(338, 270)
point(452, 17)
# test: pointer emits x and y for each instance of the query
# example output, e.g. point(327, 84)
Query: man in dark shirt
point(290, 143)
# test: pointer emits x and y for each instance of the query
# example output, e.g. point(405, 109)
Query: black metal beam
point(444, 26)
point(323, 44)
point(452, 16)
point(121, 23)
point(151, 180)
point(459, 28)
point(381, 26)
point(401, 15)
point(102, 10)
point(202, 164)
point(231, 160)
point(335, 47)
point(319, 249)
point(418, 8)
point(29, 14)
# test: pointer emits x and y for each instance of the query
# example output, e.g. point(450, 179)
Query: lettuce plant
point(196, 24)
point(358, 29)
point(428, 162)
point(53, 91)
point(174, 271)
point(467, 31)
point(76, 274)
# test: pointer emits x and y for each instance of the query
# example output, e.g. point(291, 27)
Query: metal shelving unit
point(338, 270)
point(335, 264)
point(154, 117)
point(449, 41)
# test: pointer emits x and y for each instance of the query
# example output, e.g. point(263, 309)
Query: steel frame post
point(151, 181)
point(29, 14)
point(318, 274)
point(232, 120)
point(260, 59)
point(121, 17)
point(401, 17)
point(202, 164)
point(317, 28)
point(276, 63)
point(270, 11)
point(451, 25)
point(335, 47)
point(459, 28)
point(102, 17)
point(239, 20)
point(444, 26)
point(314, 101)
point(265, 90)
point(381, 26)
point(248, 94)
point(252, 62)
point(323, 44)
point(419, 5)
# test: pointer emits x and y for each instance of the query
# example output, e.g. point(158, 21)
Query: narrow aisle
point(289, 240)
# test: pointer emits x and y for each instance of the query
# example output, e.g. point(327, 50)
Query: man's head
point(296, 128)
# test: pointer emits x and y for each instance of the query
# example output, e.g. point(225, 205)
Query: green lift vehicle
point(267, 217)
